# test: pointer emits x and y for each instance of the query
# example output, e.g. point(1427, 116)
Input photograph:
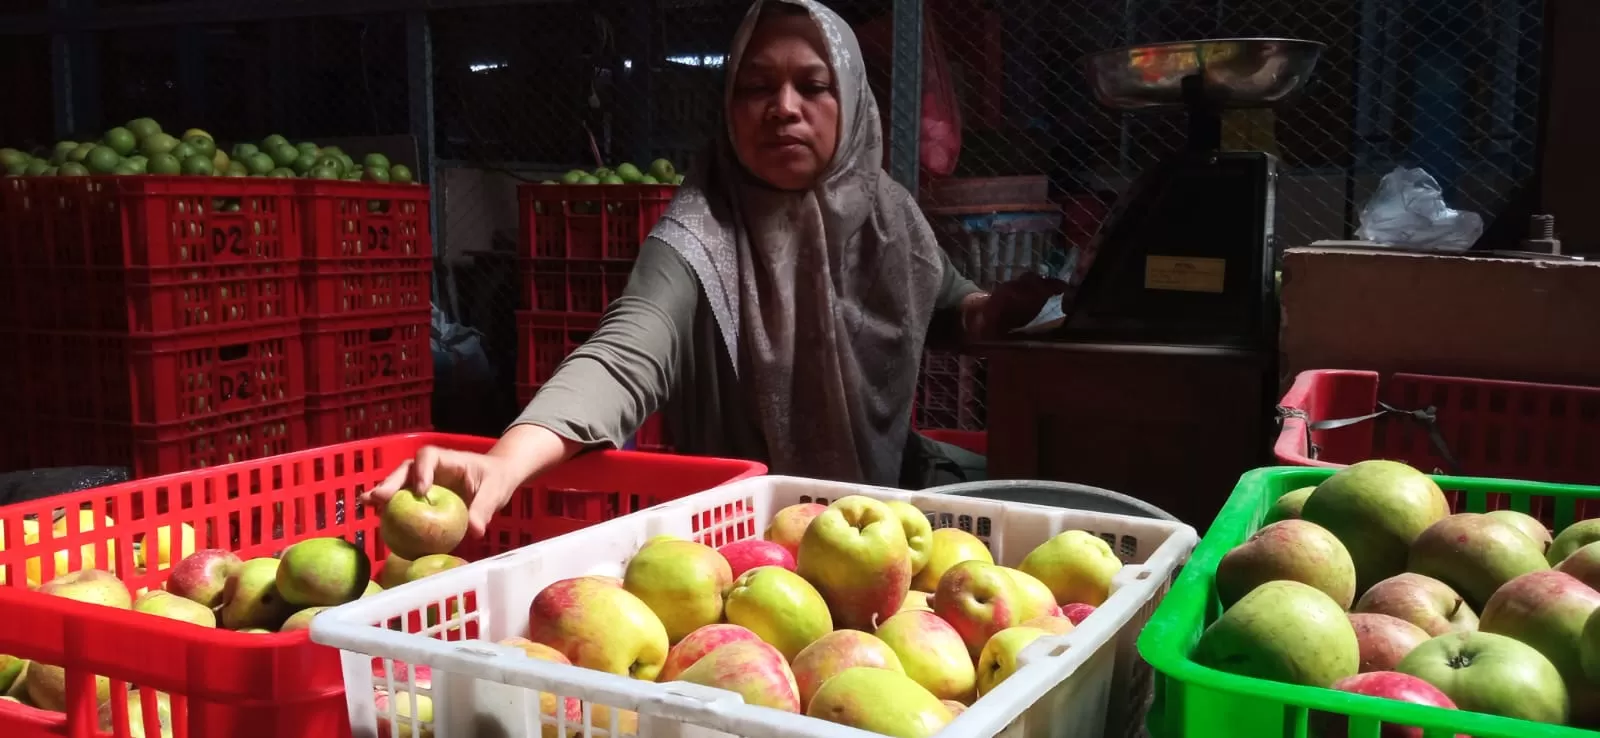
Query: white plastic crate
point(1078, 685)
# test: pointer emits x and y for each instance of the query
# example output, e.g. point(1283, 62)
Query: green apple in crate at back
point(1571, 539)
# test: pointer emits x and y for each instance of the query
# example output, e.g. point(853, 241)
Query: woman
point(795, 250)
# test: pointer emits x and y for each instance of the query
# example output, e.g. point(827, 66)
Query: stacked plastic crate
point(149, 322)
point(366, 309)
point(578, 245)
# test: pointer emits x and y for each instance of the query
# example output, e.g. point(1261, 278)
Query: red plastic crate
point(364, 220)
point(950, 392)
point(572, 285)
point(544, 341)
point(111, 377)
point(1508, 430)
point(148, 221)
point(166, 300)
point(148, 450)
point(652, 435)
point(365, 351)
point(345, 286)
point(369, 413)
point(589, 221)
point(239, 685)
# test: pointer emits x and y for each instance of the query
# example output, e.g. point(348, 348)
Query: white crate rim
point(1046, 663)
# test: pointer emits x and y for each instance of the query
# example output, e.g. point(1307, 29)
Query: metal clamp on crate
point(1428, 417)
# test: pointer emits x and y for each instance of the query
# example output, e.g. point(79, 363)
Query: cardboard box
point(1384, 310)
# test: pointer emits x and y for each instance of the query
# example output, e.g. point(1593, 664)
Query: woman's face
point(784, 110)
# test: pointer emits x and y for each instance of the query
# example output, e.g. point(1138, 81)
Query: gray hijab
point(822, 297)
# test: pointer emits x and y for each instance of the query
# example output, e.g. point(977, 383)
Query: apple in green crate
point(1390, 685)
point(414, 526)
point(752, 669)
point(951, 546)
point(1001, 656)
point(1283, 631)
point(1571, 539)
point(1076, 565)
point(1384, 639)
point(781, 607)
point(1529, 525)
point(323, 571)
point(598, 625)
point(696, 645)
point(880, 701)
point(1492, 673)
point(1422, 601)
point(1589, 648)
point(1548, 611)
point(1584, 564)
point(1290, 549)
point(831, 654)
point(1474, 554)
point(683, 582)
point(855, 554)
point(932, 653)
point(1288, 506)
point(1376, 508)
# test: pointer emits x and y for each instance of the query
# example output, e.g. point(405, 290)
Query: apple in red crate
point(414, 526)
point(789, 525)
point(1389, 685)
point(252, 599)
point(754, 670)
point(301, 620)
point(835, 652)
point(1422, 601)
point(323, 572)
point(696, 645)
point(932, 654)
point(165, 604)
point(855, 554)
point(1384, 639)
point(1076, 612)
point(599, 626)
point(748, 554)
point(1491, 673)
point(203, 576)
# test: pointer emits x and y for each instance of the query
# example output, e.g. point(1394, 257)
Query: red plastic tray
point(344, 354)
point(1507, 430)
point(589, 221)
point(111, 377)
point(149, 450)
point(545, 340)
point(270, 686)
point(369, 413)
point(364, 220)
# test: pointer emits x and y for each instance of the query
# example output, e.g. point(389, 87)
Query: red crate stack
point(578, 245)
point(366, 306)
point(153, 321)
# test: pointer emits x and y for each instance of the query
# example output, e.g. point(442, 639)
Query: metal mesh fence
point(524, 90)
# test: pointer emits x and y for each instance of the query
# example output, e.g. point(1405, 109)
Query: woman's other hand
point(485, 481)
point(1010, 305)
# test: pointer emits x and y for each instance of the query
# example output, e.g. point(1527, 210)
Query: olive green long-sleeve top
point(658, 348)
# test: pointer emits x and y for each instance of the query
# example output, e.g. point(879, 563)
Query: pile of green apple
point(1368, 584)
point(857, 612)
point(660, 172)
point(141, 147)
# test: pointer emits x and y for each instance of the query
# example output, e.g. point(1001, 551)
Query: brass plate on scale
point(1185, 273)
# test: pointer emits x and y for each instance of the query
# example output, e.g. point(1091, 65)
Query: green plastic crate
point(1192, 701)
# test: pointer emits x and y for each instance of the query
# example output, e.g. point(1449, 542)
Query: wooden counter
point(1173, 425)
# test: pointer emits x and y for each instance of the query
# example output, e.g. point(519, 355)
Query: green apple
point(1288, 549)
point(323, 572)
point(855, 554)
point(1283, 631)
point(1488, 672)
point(372, 589)
point(978, 600)
point(1288, 506)
point(781, 607)
point(300, 620)
point(683, 582)
point(430, 565)
point(696, 645)
point(932, 653)
point(599, 626)
point(880, 701)
point(1584, 564)
point(1422, 601)
point(1376, 508)
point(1000, 657)
point(394, 571)
point(752, 669)
point(136, 727)
point(951, 546)
point(1548, 611)
point(94, 586)
point(164, 604)
point(407, 707)
point(1474, 554)
point(919, 533)
point(835, 652)
point(1589, 649)
point(414, 526)
point(11, 668)
point(253, 600)
point(1529, 525)
point(1575, 536)
point(789, 525)
point(1076, 565)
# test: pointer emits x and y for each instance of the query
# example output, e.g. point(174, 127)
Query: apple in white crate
point(699, 643)
point(951, 546)
point(978, 600)
point(1076, 612)
point(835, 652)
point(855, 554)
point(752, 669)
point(1491, 673)
point(1076, 565)
point(1001, 656)
point(779, 606)
point(789, 525)
point(751, 553)
point(919, 533)
point(932, 654)
point(880, 701)
point(683, 582)
point(599, 625)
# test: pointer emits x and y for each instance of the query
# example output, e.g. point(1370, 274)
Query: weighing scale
point(1186, 255)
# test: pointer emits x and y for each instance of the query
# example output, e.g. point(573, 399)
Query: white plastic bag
point(1409, 210)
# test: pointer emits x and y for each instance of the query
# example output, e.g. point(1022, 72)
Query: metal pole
point(905, 95)
point(419, 92)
